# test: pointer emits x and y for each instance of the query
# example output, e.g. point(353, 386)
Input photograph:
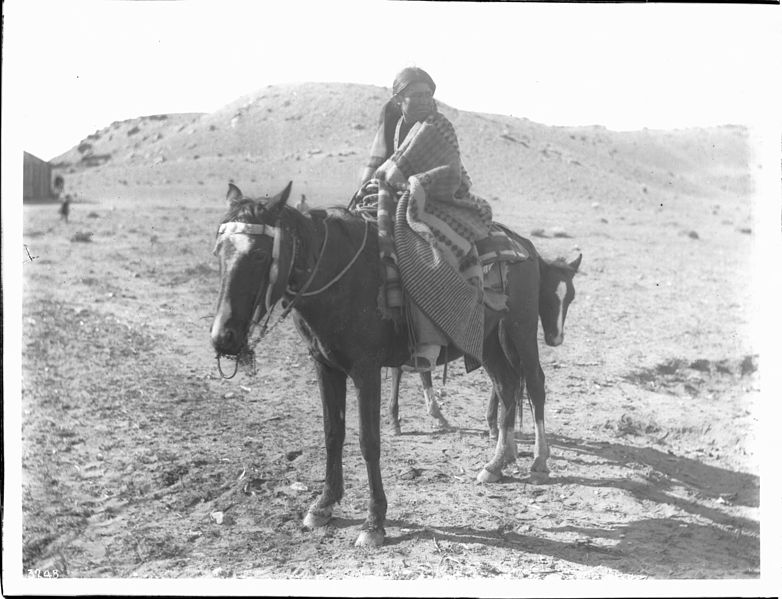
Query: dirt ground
point(139, 461)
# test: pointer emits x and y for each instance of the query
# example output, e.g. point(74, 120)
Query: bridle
point(275, 232)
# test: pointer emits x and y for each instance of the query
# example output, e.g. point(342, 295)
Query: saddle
point(495, 252)
point(499, 248)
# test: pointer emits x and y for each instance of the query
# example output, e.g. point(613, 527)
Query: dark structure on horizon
point(37, 179)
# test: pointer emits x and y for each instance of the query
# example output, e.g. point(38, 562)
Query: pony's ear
point(282, 264)
point(281, 198)
point(576, 263)
point(234, 194)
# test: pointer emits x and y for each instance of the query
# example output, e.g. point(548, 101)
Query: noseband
point(228, 228)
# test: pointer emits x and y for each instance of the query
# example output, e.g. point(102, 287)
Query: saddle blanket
point(499, 247)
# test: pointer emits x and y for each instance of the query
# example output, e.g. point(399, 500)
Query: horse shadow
point(717, 544)
point(658, 548)
point(450, 430)
point(712, 482)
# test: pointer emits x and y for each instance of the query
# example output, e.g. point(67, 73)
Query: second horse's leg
point(491, 414)
point(506, 384)
point(537, 397)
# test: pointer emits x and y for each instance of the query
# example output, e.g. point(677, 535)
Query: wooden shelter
point(37, 179)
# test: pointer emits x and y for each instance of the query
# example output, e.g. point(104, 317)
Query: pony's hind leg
point(430, 399)
point(432, 407)
point(332, 393)
point(393, 401)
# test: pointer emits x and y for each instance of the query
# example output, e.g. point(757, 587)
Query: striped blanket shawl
point(437, 221)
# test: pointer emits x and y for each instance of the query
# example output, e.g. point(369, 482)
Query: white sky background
point(74, 67)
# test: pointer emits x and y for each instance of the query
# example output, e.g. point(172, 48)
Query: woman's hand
point(390, 173)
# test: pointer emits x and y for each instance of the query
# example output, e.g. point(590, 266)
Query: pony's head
point(556, 294)
point(256, 257)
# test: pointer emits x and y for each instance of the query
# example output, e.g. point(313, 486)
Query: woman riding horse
point(416, 153)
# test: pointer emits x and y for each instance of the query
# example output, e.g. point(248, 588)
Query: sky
point(71, 68)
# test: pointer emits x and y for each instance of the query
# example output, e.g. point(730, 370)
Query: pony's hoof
point(487, 476)
point(539, 465)
point(317, 518)
point(493, 434)
point(395, 430)
point(538, 476)
point(441, 424)
point(370, 538)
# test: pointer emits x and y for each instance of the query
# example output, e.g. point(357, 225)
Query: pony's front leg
point(367, 380)
point(332, 395)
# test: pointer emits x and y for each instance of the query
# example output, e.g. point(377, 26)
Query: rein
point(303, 291)
point(248, 354)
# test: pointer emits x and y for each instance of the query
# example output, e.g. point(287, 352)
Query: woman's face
point(416, 101)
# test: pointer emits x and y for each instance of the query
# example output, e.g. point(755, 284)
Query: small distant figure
point(65, 207)
point(302, 206)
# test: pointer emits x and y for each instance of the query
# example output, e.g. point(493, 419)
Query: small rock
point(217, 517)
point(748, 365)
point(82, 236)
point(693, 235)
point(410, 474)
point(559, 232)
point(300, 487)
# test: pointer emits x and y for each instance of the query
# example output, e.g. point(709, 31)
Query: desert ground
point(140, 461)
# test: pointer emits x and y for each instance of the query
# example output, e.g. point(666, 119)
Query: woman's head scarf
point(408, 76)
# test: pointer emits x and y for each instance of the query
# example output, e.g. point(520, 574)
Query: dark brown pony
point(546, 292)
point(324, 267)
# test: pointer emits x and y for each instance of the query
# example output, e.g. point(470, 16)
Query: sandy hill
point(318, 135)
